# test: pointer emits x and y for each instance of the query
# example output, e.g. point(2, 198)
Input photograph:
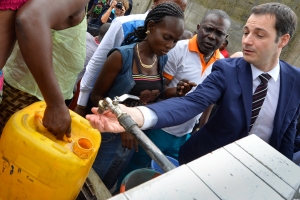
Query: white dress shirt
point(263, 125)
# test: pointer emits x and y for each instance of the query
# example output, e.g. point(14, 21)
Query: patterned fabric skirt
point(11, 4)
point(13, 101)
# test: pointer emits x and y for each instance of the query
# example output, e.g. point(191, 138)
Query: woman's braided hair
point(156, 14)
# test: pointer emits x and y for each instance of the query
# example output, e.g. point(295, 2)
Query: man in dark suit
point(236, 86)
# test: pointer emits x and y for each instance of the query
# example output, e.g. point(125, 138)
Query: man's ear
point(284, 39)
point(198, 26)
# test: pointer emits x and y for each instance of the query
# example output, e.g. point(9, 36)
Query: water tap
point(112, 105)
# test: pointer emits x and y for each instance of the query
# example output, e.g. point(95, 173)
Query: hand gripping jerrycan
point(34, 165)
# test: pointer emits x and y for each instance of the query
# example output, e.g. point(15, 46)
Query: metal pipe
point(131, 127)
point(155, 153)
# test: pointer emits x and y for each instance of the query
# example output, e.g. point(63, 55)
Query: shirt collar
point(193, 47)
point(274, 73)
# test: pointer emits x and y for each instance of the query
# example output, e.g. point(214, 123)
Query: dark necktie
point(259, 97)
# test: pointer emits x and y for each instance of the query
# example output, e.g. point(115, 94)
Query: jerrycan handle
point(38, 120)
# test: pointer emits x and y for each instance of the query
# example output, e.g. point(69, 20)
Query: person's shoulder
point(124, 49)
point(130, 18)
point(286, 64)
point(290, 69)
point(88, 36)
point(232, 62)
point(220, 54)
point(90, 40)
point(181, 45)
point(163, 60)
point(230, 65)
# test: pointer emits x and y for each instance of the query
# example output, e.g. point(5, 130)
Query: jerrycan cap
point(83, 148)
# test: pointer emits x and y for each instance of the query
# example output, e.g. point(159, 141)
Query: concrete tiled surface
point(261, 171)
point(180, 183)
point(246, 169)
point(229, 178)
point(284, 168)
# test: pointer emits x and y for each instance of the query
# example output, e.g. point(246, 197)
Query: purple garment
point(11, 4)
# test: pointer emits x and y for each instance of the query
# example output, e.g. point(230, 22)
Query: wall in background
point(238, 10)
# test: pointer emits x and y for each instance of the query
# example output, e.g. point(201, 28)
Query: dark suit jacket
point(230, 86)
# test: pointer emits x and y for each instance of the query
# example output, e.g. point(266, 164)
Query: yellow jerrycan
point(34, 165)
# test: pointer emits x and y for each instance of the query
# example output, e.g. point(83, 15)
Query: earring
point(147, 32)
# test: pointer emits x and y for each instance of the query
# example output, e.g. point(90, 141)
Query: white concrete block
point(229, 179)
point(283, 167)
point(261, 171)
point(180, 183)
point(246, 169)
point(119, 197)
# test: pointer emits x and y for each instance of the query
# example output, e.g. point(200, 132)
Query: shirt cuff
point(150, 117)
point(83, 98)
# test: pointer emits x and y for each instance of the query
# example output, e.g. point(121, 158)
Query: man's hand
point(184, 86)
point(57, 120)
point(123, 11)
point(108, 122)
point(105, 122)
point(129, 141)
point(113, 4)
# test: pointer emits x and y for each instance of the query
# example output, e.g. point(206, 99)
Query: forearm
point(205, 116)
point(106, 15)
point(35, 39)
point(90, 76)
point(175, 111)
point(95, 98)
point(170, 92)
point(37, 53)
point(112, 38)
point(136, 115)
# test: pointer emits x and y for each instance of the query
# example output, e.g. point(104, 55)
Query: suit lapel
point(245, 80)
point(286, 87)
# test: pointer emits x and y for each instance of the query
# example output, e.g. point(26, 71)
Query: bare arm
point(107, 76)
point(106, 15)
point(7, 35)
point(112, 38)
point(183, 87)
point(33, 29)
point(169, 92)
point(105, 80)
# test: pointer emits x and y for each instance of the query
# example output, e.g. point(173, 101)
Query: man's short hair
point(217, 12)
point(286, 19)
